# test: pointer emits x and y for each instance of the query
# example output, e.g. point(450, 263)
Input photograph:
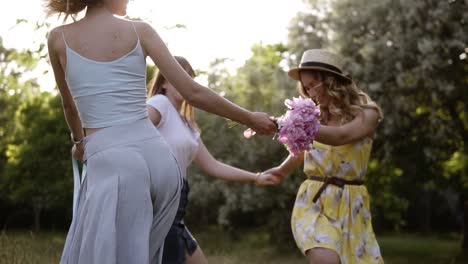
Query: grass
point(30, 248)
point(406, 249)
point(250, 247)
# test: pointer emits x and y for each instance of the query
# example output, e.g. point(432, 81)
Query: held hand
point(261, 123)
point(78, 151)
point(267, 179)
point(277, 173)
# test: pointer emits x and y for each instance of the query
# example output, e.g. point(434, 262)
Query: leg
point(196, 258)
point(174, 246)
point(323, 256)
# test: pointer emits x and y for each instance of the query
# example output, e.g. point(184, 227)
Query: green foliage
point(14, 88)
point(33, 139)
point(36, 171)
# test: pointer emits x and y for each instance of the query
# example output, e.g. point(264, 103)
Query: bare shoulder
point(143, 27)
point(55, 33)
point(148, 36)
point(54, 37)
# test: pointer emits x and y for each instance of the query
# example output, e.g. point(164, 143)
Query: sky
point(213, 28)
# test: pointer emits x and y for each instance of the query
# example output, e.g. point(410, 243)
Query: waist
point(91, 128)
point(107, 137)
point(335, 180)
point(116, 106)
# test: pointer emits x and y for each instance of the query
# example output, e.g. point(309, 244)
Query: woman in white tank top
point(175, 120)
point(129, 198)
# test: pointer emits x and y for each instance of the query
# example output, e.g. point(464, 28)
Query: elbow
point(194, 96)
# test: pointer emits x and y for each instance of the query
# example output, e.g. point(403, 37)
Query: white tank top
point(183, 139)
point(108, 93)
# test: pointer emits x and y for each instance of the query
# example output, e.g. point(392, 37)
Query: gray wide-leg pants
point(128, 200)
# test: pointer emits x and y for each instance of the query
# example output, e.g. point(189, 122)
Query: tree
point(36, 173)
point(14, 89)
point(33, 137)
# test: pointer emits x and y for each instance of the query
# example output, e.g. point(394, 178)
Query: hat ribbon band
point(320, 64)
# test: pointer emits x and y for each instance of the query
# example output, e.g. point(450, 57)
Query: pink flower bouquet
point(299, 125)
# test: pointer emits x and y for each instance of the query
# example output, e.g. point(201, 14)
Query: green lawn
point(30, 248)
point(251, 247)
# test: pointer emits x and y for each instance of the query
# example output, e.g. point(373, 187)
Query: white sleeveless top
point(182, 139)
point(108, 93)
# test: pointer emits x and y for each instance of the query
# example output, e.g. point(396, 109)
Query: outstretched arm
point(363, 125)
point(196, 94)
point(208, 164)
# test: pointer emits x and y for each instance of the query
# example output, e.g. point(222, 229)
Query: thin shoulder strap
point(63, 37)
point(134, 28)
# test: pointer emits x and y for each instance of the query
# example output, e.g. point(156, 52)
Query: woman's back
point(102, 37)
point(105, 70)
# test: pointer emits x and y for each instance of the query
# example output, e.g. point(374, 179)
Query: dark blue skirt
point(179, 240)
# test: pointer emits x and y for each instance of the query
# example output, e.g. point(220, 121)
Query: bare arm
point(154, 115)
point(69, 108)
point(287, 166)
point(196, 94)
point(363, 125)
point(208, 164)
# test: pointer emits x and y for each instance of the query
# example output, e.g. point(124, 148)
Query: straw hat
point(320, 60)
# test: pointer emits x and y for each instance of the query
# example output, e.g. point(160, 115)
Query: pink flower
point(299, 125)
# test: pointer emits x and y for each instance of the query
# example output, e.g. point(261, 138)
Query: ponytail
point(68, 7)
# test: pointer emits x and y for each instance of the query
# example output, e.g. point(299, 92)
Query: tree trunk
point(37, 217)
point(426, 221)
point(465, 227)
point(465, 202)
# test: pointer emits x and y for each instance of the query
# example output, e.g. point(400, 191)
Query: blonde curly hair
point(346, 99)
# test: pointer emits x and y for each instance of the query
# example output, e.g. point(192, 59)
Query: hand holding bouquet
point(298, 126)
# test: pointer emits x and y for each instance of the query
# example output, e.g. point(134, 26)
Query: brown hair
point(346, 98)
point(69, 7)
point(156, 87)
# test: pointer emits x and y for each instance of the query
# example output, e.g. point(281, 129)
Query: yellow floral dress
point(340, 219)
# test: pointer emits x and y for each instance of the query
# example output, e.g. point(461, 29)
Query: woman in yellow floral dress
point(331, 220)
